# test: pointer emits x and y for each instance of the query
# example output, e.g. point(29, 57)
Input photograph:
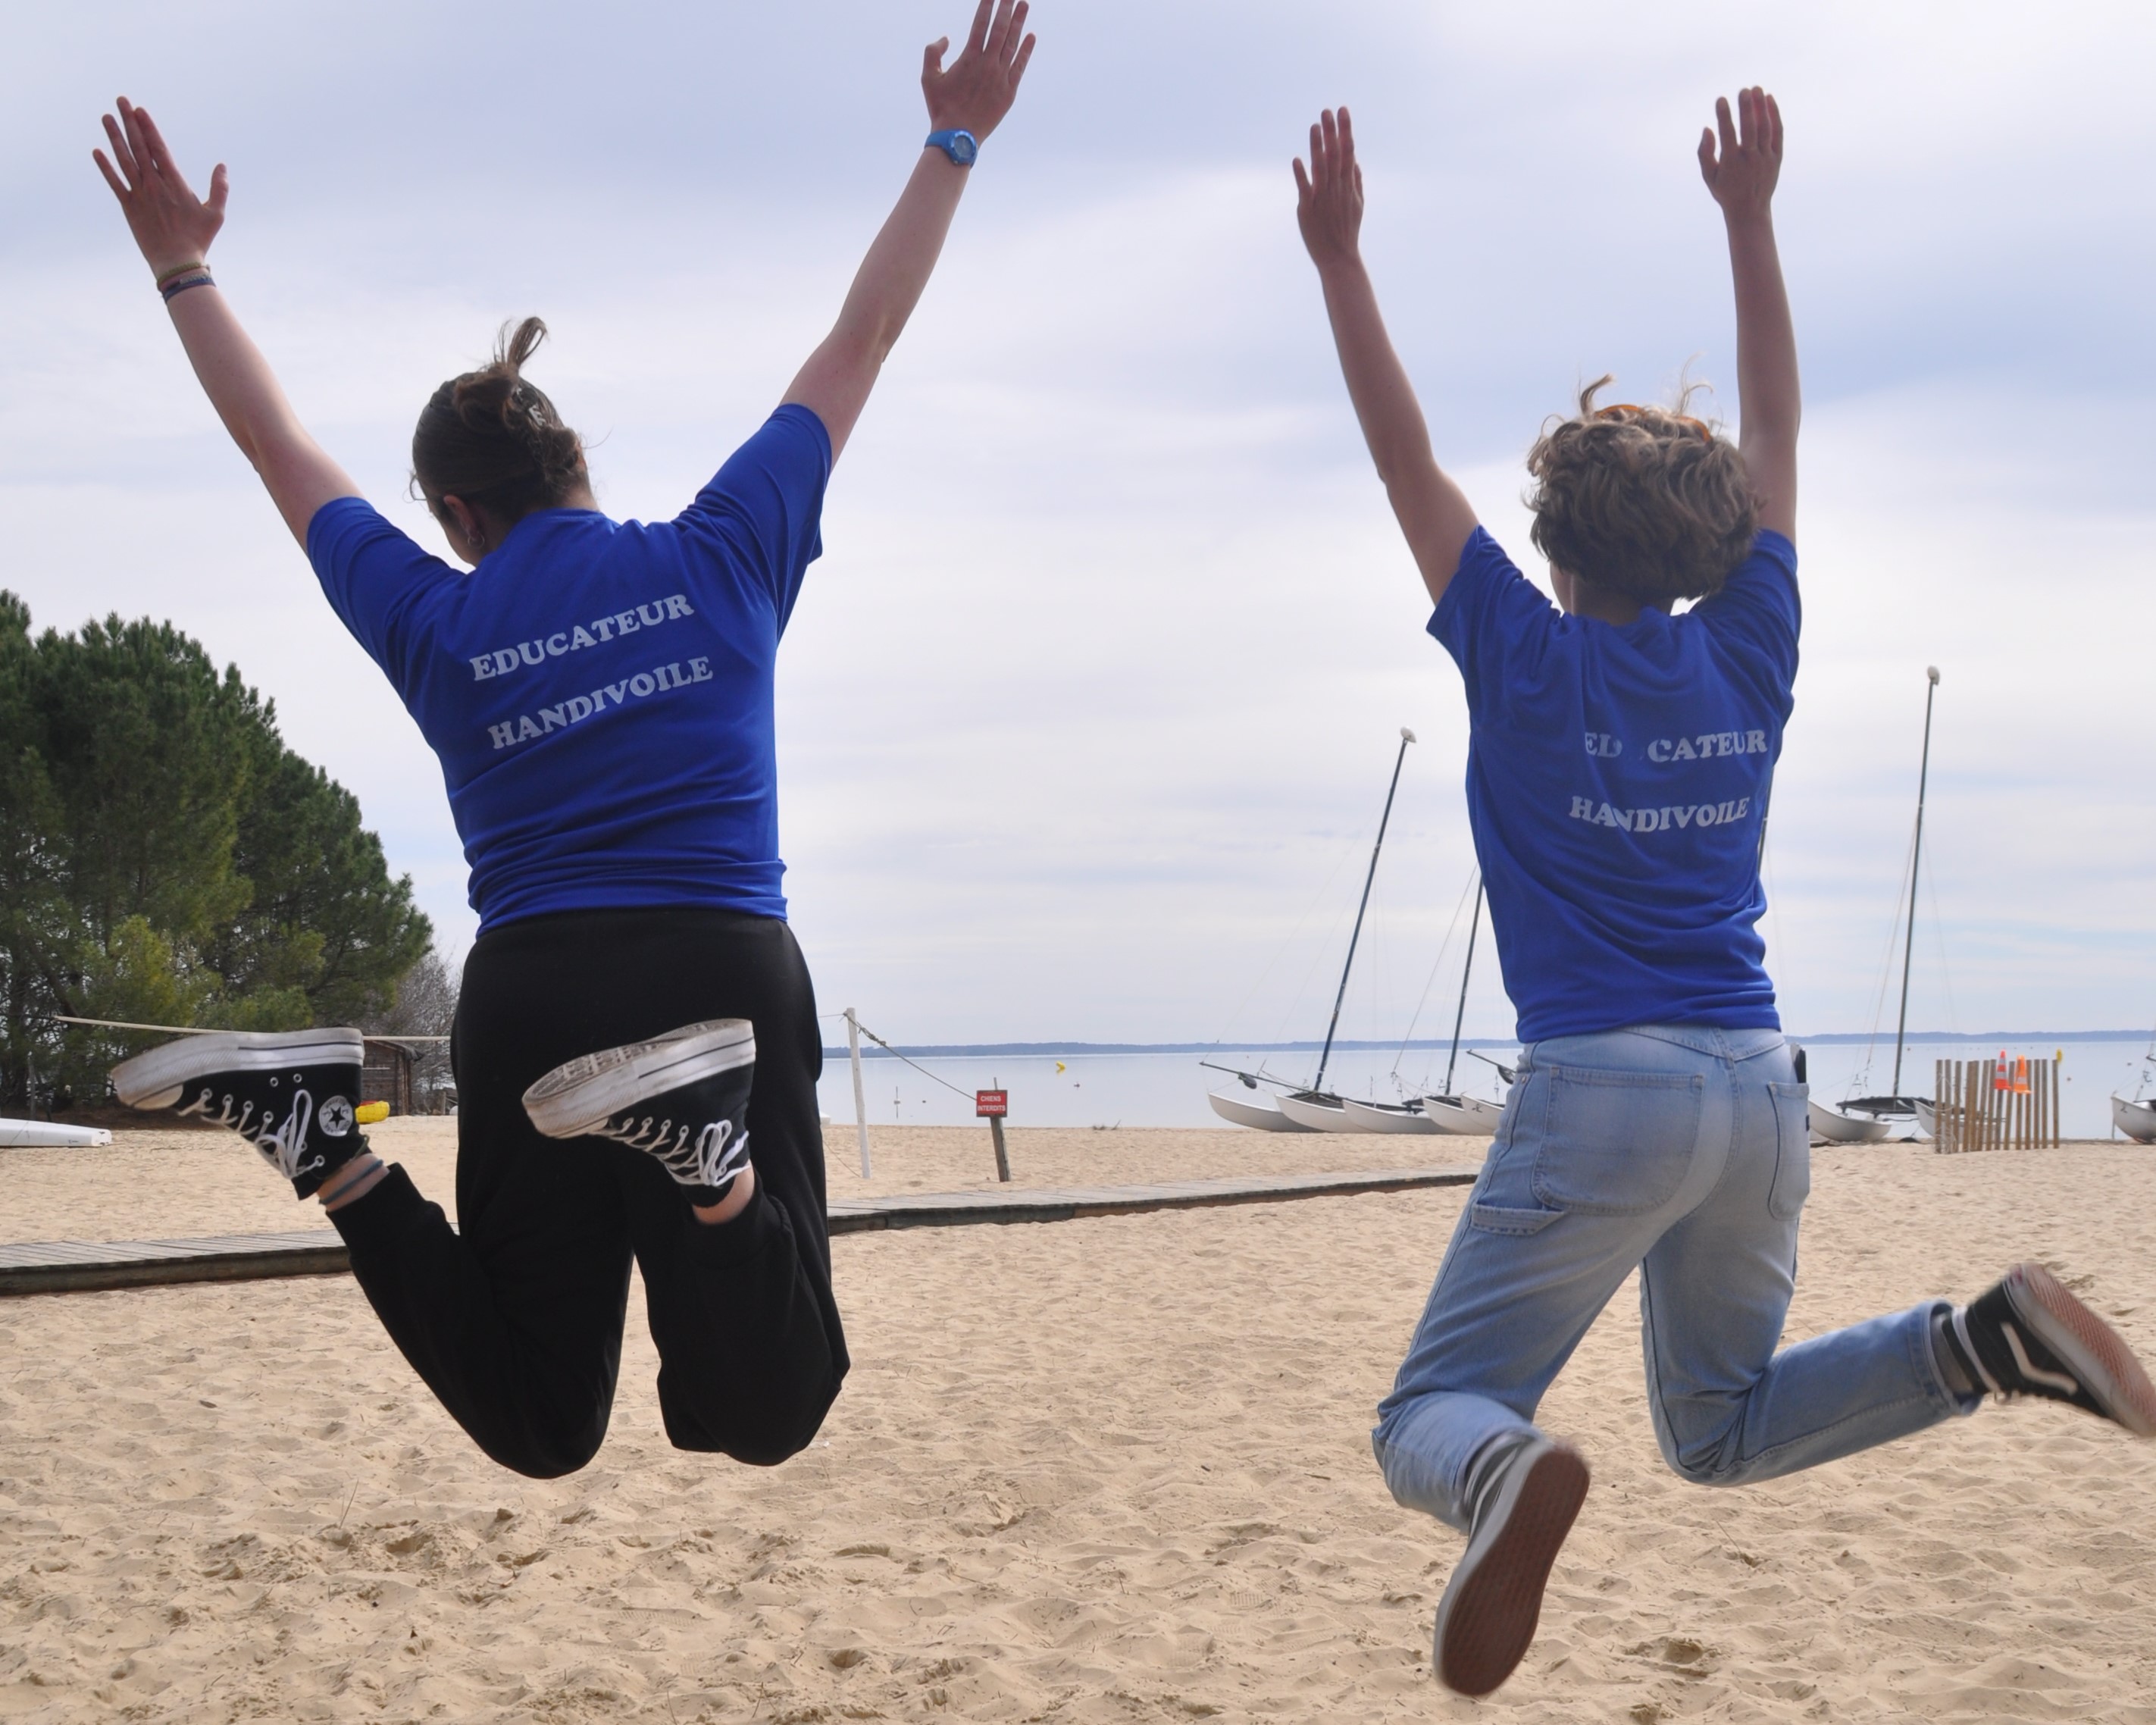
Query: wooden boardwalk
point(61, 1267)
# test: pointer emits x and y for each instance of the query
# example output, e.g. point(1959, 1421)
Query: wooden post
point(990, 1105)
point(861, 1103)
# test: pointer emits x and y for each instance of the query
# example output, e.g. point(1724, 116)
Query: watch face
point(963, 150)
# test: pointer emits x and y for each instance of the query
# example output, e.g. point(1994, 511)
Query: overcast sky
point(1087, 714)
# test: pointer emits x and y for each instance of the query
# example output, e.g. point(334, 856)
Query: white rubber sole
point(156, 1079)
point(582, 1095)
point(2093, 1351)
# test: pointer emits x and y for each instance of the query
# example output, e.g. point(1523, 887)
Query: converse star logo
point(336, 1118)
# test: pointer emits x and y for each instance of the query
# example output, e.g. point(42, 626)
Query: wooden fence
point(1997, 1104)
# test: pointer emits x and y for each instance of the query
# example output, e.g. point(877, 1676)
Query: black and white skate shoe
point(682, 1098)
point(1525, 1498)
point(292, 1093)
point(2030, 1336)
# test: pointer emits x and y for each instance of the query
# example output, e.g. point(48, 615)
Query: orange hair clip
point(1626, 407)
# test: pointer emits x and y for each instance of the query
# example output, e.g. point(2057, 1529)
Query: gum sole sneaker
point(682, 1098)
point(1525, 1507)
point(2029, 1336)
point(292, 1093)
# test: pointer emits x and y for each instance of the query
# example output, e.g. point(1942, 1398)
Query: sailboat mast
point(1467, 970)
point(1407, 736)
point(1916, 862)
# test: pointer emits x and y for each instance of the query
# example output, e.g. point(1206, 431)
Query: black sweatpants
point(516, 1321)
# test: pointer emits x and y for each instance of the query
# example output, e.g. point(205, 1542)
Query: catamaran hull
point(1253, 1108)
point(1928, 1118)
point(1831, 1126)
point(2137, 1120)
point(1318, 1116)
point(1368, 1117)
point(1465, 1117)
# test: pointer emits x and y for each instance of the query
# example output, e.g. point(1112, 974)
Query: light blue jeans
point(1684, 1153)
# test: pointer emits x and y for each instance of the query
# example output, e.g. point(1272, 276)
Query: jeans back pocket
point(1793, 1150)
point(1617, 1144)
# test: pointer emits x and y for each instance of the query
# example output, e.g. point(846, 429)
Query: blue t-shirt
point(599, 692)
point(1617, 780)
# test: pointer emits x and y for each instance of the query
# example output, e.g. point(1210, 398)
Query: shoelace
point(282, 1147)
point(714, 1155)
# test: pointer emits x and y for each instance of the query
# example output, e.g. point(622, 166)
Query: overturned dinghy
point(31, 1134)
point(1254, 1108)
point(2137, 1120)
point(1830, 1126)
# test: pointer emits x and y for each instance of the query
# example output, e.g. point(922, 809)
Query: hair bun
point(495, 440)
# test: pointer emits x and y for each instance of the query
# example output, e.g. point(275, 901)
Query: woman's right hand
point(170, 225)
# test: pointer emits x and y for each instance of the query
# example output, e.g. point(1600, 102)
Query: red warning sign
point(991, 1104)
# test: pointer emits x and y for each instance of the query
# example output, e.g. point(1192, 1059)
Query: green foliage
point(164, 859)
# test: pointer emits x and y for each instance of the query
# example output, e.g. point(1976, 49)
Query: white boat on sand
point(1469, 1117)
point(1388, 1116)
point(1318, 1113)
point(2136, 1119)
point(1830, 1126)
point(27, 1134)
point(1253, 1108)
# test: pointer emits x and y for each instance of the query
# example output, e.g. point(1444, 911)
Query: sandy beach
point(1106, 1469)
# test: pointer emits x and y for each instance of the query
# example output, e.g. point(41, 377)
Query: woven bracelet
point(172, 289)
point(183, 269)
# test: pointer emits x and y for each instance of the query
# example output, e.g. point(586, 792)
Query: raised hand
point(1328, 205)
point(1742, 172)
point(983, 82)
point(169, 223)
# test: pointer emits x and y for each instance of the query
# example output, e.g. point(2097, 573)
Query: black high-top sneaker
point(291, 1094)
point(682, 1098)
point(1525, 1492)
point(2030, 1336)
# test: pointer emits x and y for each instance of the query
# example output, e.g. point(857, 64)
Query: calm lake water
point(1169, 1089)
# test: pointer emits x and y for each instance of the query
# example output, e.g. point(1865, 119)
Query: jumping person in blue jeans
point(636, 1046)
point(1618, 767)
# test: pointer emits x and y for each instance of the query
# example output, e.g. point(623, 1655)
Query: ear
point(462, 513)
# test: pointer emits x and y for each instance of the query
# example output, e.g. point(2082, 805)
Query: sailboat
point(1862, 1120)
point(2137, 1117)
point(1317, 1109)
point(1449, 1111)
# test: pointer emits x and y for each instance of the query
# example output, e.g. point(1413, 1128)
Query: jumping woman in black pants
point(636, 1046)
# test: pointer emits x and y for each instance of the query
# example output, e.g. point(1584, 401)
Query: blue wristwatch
point(961, 146)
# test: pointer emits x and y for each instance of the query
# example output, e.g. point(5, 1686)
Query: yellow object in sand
point(368, 1113)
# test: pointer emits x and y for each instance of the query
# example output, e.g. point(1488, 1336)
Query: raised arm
point(1742, 173)
point(1433, 512)
point(174, 229)
point(972, 97)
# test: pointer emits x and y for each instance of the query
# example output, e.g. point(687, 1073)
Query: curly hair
point(1645, 502)
point(494, 440)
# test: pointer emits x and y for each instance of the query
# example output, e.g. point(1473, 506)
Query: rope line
point(197, 1030)
point(915, 1065)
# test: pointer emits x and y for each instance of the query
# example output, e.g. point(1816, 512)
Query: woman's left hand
point(980, 86)
point(170, 225)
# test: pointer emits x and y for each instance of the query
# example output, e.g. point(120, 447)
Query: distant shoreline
point(1050, 1050)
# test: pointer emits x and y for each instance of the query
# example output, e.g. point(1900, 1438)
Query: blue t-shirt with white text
point(599, 693)
point(1617, 780)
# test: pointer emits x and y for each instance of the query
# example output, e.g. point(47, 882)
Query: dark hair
point(1646, 501)
point(494, 440)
